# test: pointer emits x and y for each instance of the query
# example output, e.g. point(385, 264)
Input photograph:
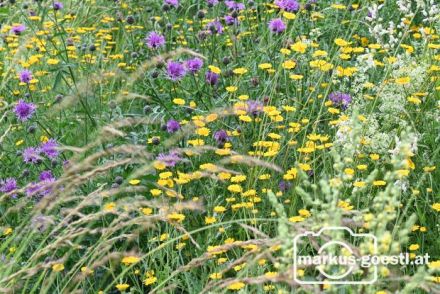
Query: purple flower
point(18, 29)
point(284, 186)
point(277, 25)
point(212, 2)
point(175, 70)
point(254, 107)
point(174, 3)
point(25, 76)
point(172, 126)
point(50, 148)
point(211, 78)
point(288, 5)
point(155, 40)
point(170, 159)
point(229, 20)
point(8, 185)
point(340, 99)
point(46, 176)
point(232, 5)
point(215, 27)
point(194, 65)
point(221, 137)
point(57, 5)
point(23, 110)
point(31, 155)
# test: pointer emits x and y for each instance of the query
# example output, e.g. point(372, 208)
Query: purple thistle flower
point(254, 107)
point(46, 176)
point(18, 29)
point(340, 99)
point(174, 3)
point(212, 2)
point(25, 76)
point(172, 126)
point(232, 5)
point(58, 5)
point(221, 137)
point(284, 186)
point(8, 186)
point(50, 148)
point(211, 78)
point(194, 65)
point(277, 25)
point(31, 155)
point(155, 40)
point(215, 27)
point(288, 5)
point(175, 70)
point(23, 110)
point(170, 159)
point(229, 20)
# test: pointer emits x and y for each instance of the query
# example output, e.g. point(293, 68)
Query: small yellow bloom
point(58, 267)
point(130, 260)
point(122, 287)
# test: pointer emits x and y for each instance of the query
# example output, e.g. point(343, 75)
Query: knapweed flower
point(8, 185)
point(170, 159)
point(288, 5)
point(25, 76)
point(18, 29)
point(277, 26)
point(232, 5)
point(155, 40)
point(174, 3)
point(221, 137)
point(229, 20)
point(212, 2)
point(175, 70)
point(50, 148)
point(211, 78)
point(254, 107)
point(23, 110)
point(57, 5)
point(284, 186)
point(194, 65)
point(42, 188)
point(215, 27)
point(173, 126)
point(340, 99)
point(31, 155)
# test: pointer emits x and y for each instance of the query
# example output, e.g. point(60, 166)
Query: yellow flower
point(436, 206)
point(7, 231)
point(110, 206)
point(414, 247)
point(52, 61)
point(240, 71)
point(134, 182)
point(379, 183)
point(296, 77)
point(177, 217)
point(296, 219)
point(122, 287)
point(236, 286)
point(130, 260)
point(58, 267)
point(179, 101)
point(231, 89)
point(403, 80)
point(219, 209)
point(341, 42)
point(289, 64)
point(265, 66)
point(289, 15)
point(150, 280)
point(215, 276)
point(210, 220)
point(299, 47)
point(215, 69)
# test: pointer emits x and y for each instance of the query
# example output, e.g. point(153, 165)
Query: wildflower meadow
point(202, 146)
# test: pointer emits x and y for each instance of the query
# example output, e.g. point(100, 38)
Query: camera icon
point(331, 257)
